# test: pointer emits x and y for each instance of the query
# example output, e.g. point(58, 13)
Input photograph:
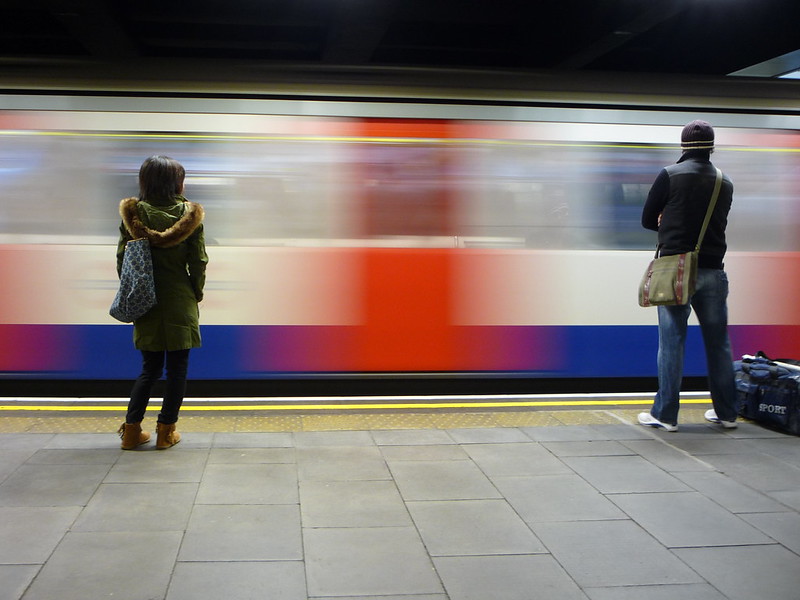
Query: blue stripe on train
point(106, 352)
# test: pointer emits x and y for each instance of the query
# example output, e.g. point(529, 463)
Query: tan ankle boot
point(132, 435)
point(166, 436)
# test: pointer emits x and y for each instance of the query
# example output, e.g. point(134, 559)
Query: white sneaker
point(712, 417)
point(646, 418)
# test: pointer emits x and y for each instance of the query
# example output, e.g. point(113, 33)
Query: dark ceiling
point(698, 37)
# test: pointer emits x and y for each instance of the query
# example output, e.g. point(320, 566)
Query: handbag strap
point(711, 205)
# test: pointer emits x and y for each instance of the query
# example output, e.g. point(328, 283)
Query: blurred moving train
point(383, 238)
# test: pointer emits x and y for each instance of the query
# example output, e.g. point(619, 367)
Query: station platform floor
point(401, 502)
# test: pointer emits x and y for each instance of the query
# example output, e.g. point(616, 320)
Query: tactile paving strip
point(242, 421)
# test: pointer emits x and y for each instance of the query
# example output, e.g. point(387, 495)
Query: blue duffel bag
point(768, 392)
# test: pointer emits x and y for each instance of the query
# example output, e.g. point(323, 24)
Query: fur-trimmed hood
point(180, 231)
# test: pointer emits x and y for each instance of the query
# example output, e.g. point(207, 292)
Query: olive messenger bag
point(670, 280)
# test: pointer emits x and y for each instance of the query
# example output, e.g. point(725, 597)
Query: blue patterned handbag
point(137, 290)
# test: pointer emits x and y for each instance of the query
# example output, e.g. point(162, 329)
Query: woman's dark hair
point(160, 178)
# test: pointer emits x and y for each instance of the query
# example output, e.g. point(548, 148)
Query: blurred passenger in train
point(676, 207)
point(167, 332)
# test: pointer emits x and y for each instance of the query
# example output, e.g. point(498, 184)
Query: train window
point(554, 193)
point(557, 195)
point(402, 190)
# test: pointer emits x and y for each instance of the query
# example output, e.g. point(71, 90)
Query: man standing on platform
point(676, 207)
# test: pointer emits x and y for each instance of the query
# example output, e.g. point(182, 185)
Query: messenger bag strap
point(711, 205)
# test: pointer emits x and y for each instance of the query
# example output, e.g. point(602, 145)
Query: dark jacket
point(175, 231)
point(680, 194)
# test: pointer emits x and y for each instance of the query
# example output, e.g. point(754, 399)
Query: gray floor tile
point(473, 527)
point(16, 579)
point(443, 452)
point(556, 498)
point(392, 597)
point(783, 527)
point(361, 562)
point(29, 534)
point(87, 441)
point(194, 439)
point(623, 431)
point(108, 565)
point(409, 437)
point(754, 431)
point(442, 480)
point(784, 448)
point(51, 485)
point(666, 456)
point(515, 460)
point(352, 504)
point(612, 553)
point(735, 496)
point(704, 431)
point(24, 441)
point(175, 465)
point(251, 456)
point(688, 519)
point(341, 464)
point(254, 440)
point(758, 471)
point(76, 456)
point(574, 433)
point(305, 439)
point(710, 444)
point(692, 591)
point(11, 460)
point(6, 469)
point(238, 581)
point(624, 474)
point(232, 532)
point(138, 507)
point(594, 448)
point(249, 484)
point(790, 498)
point(495, 512)
point(506, 578)
point(488, 435)
point(747, 572)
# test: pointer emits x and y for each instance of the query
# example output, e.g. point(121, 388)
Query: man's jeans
point(710, 305)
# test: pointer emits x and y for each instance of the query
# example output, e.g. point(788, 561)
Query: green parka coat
point(175, 230)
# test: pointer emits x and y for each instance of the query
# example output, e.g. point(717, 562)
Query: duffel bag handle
point(760, 368)
point(787, 363)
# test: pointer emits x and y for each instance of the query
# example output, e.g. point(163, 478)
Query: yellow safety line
point(326, 138)
point(371, 139)
point(333, 406)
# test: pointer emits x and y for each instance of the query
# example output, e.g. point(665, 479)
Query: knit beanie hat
point(697, 135)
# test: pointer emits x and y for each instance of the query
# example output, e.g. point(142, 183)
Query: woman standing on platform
point(167, 332)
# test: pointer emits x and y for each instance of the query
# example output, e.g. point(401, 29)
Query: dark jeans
point(710, 305)
point(177, 362)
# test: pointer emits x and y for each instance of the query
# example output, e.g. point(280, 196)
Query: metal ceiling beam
point(95, 27)
point(623, 34)
point(356, 31)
